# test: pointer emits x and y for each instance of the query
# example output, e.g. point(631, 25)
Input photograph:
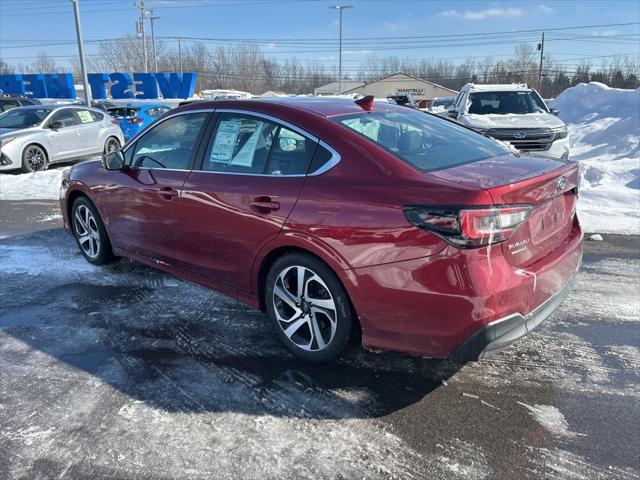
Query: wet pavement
point(124, 372)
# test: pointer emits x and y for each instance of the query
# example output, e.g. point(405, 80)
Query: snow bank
point(31, 186)
point(604, 128)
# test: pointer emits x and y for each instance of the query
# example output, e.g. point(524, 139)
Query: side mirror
point(452, 113)
point(113, 160)
point(554, 111)
point(56, 125)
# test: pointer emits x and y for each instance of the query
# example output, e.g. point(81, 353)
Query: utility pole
point(180, 52)
point(541, 48)
point(143, 12)
point(153, 40)
point(83, 68)
point(340, 8)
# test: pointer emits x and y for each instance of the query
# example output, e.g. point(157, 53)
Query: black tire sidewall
point(105, 253)
point(24, 167)
point(345, 316)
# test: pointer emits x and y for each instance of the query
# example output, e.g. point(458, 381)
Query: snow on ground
point(604, 128)
point(31, 186)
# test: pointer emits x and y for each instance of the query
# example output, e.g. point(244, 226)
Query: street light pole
point(340, 8)
point(83, 68)
point(153, 40)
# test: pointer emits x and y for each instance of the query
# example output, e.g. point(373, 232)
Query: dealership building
point(421, 90)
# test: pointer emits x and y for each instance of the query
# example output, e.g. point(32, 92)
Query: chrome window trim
point(329, 164)
point(332, 162)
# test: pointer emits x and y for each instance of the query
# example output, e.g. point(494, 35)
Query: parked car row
point(34, 136)
point(337, 217)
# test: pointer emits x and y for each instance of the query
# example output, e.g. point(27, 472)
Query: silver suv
point(33, 137)
point(513, 113)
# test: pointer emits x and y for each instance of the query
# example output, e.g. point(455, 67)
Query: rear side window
point(97, 116)
point(425, 142)
point(85, 116)
point(253, 145)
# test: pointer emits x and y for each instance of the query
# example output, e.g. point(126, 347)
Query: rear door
point(240, 195)
point(92, 131)
point(66, 142)
point(142, 199)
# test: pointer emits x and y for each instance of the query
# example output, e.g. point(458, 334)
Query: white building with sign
point(421, 90)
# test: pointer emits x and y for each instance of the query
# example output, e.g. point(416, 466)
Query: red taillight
point(135, 120)
point(469, 226)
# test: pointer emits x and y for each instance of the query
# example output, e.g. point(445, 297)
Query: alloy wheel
point(305, 308)
point(35, 159)
point(87, 232)
point(111, 146)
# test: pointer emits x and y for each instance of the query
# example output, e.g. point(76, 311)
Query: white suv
point(512, 113)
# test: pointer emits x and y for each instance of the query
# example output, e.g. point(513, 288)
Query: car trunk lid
point(548, 185)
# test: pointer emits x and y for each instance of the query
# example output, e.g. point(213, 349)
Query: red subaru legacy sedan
point(334, 216)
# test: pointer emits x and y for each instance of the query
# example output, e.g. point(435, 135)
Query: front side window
point(423, 141)
point(170, 144)
point(23, 117)
point(504, 103)
point(66, 117)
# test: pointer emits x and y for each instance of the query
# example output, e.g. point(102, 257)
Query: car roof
point(325, 106)
point(503, 87)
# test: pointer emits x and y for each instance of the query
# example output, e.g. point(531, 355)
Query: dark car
point(334, 216)
point(7, 102)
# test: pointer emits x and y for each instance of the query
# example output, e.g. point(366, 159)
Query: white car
point(513, 113)
point(33, 137)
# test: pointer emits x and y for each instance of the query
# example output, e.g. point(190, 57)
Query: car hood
point(17, 131)
point(512, 120)
point(4, 131)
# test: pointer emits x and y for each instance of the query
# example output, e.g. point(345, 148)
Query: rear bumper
point(431, 306)
point(500, 334)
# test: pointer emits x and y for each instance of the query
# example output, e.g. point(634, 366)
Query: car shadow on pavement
point(176, 346)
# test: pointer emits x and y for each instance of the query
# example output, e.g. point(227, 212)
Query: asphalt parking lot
point(124, 372)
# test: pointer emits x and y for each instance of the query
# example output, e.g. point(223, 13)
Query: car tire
point(90, 233)
point(111, 145)
point(315, 321)
point(34, 159)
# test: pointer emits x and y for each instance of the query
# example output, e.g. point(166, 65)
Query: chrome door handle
point(167, 193)
point(265, 204)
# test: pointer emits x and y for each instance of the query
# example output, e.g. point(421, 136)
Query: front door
point(241, 194)
point(143, 197)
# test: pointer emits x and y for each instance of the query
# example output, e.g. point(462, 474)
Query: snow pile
point(604, 128)
point(31, 186)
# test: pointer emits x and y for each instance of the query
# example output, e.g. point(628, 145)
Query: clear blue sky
point(285, 27)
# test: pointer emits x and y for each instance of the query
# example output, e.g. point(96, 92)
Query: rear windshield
point(423, 141)
point(503, 103)
point(123, 112)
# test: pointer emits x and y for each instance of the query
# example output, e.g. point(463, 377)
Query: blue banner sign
point(119, 85)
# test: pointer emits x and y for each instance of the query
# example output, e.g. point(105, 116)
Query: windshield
point(23, 117)
point(123, 112)
point(442, 102)
point(503, 103)
point(423, 141)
